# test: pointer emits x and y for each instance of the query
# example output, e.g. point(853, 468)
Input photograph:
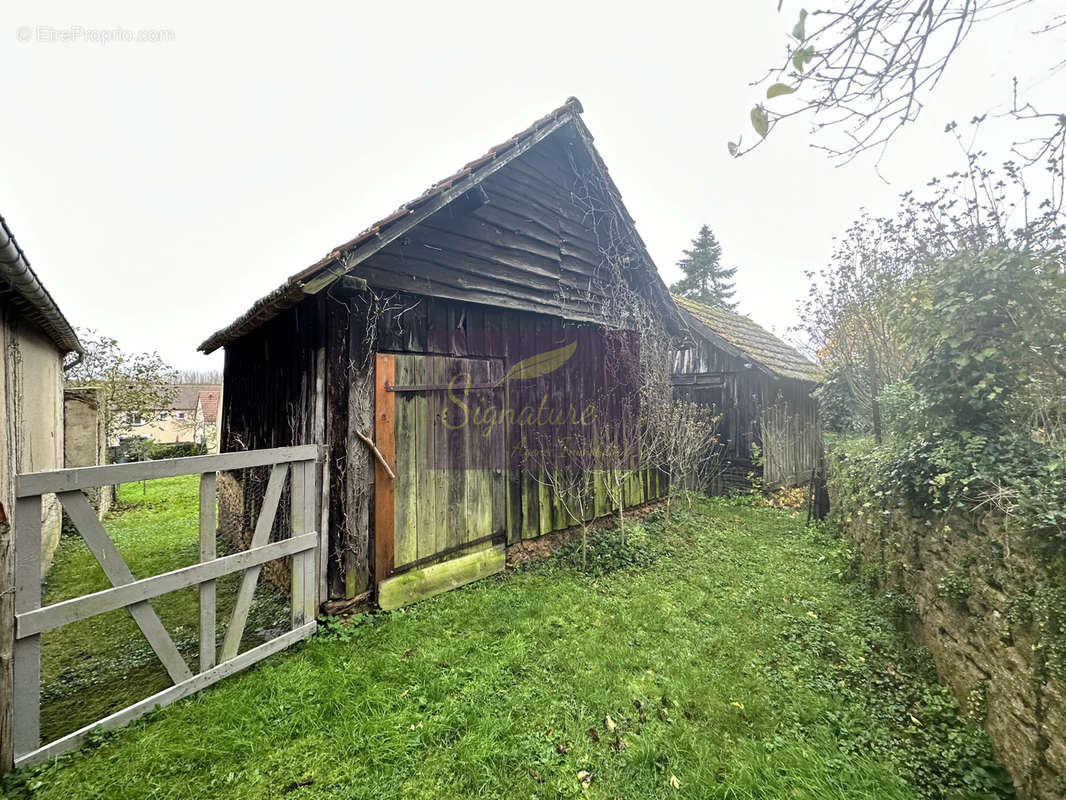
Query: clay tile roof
point(752, 340)
point(188, 394)
point(208, 403)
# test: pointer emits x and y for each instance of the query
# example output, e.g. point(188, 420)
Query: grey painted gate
point(296, 466)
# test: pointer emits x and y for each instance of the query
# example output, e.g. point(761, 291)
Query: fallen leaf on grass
point(609, 724)
point(562, 748)
point(675, 782)
point(593, 735)
point(735, 704)
point(536, 776)
point(619, 745)
point(585, 777)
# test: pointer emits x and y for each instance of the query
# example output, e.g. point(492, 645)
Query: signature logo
point(538, 365)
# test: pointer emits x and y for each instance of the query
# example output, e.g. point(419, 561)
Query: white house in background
point(179, 422)
point(36, 339)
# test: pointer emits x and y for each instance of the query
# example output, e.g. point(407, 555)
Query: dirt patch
point(543, 546)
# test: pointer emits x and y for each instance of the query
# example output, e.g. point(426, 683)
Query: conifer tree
point(706, 280)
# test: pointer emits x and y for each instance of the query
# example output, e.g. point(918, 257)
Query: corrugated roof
point(329, 267)
point(752, 340)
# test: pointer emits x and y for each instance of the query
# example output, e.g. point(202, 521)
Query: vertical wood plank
point(323, 495)
point(27, 655)
point(450, 473)
point(384, 436)
point(425, 493)
point(298, 491)
point(406, 426)
point(208, 482)
point(314, 565)
point(320, 427)
point(468, 480)
point(357, 477)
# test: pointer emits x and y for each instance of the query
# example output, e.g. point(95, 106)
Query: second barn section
point(761, 390)
point(530, 241)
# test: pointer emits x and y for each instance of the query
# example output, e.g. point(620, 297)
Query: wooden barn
point(761, 388)
point(530, 241)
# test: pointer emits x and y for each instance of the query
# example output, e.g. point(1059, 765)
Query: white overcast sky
point(158, 189)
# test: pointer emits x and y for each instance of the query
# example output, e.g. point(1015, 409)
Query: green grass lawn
point(732, 654)
point(99, 665)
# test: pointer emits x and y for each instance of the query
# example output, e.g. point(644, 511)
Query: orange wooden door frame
point(385, 438)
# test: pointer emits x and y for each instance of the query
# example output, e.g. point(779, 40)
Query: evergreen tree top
point(706, 280)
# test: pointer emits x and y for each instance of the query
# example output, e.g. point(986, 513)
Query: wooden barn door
point(438, 507)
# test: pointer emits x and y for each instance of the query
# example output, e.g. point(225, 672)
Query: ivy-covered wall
point(989, 603)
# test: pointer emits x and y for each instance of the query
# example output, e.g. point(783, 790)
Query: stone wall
point(85, 437)
point(976, 590)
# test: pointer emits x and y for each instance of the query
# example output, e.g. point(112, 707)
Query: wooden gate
point(444, 502)
point(293, 465)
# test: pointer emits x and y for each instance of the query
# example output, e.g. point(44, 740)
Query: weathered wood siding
point(750, 400)
point(791, 434)
point(473, 331)
point(270, 401)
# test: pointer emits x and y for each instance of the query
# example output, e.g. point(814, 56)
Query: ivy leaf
point(802, 57)
point(779, 89)
point(800, 30)
point(759, 121)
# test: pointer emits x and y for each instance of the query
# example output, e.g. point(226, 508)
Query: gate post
point(26, 705)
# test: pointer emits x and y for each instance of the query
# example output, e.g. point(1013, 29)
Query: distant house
point(178, 423)
point(206, 419)
point(761, 387)
point(36, 338)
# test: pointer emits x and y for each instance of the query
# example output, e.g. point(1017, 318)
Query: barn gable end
point(526, 225)
point(530, 238)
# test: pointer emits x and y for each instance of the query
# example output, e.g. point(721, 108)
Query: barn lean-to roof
point(740, 336)
point(343, 259)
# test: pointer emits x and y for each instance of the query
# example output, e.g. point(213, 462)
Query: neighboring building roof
point(343, 258)
point(208, 404)
point(28, 294)
point(737, 333)
point(188, 395)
